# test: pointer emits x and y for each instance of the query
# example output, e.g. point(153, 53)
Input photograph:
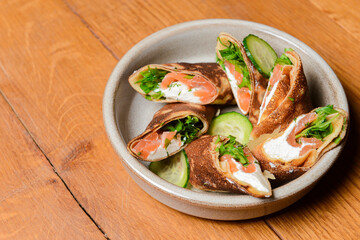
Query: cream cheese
point(255, 179)
point(161, 152)
point(280, 149)
point(266, 100)
point(179, 91)
point(233, 84)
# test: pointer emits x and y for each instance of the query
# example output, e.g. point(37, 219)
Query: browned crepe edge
point(286, 172)
point(288, 109)
point(280, 94)
point(258, 81)
point(171, 112)
point(205, 171)
point(210, 71)
point(342, 134)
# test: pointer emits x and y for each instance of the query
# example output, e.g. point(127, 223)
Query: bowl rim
point(208, 199)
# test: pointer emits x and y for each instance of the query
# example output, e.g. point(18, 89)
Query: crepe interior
point(287, 167)
point(167, 114)
point(211, 73)
point(258, 81)
point(288, 98)
point(209, 174)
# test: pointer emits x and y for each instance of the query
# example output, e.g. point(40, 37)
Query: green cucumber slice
point(174, 169)
point(232, 123)
point(261, 54)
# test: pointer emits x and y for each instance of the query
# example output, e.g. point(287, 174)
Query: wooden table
point(59, 176)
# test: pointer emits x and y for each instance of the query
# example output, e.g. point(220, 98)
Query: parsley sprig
point(188, 128)
point(283, 59)
point(234, 149)
point(150, 81)
point(321, 127)
point(233, 55)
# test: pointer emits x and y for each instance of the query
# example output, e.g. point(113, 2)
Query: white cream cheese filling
point(266, 100)
point(234, 85)
point(280, 149)
point(161, 152)
point(255, 179)
point(179, 91)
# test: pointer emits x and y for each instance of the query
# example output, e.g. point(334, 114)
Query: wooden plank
point(344, 13)
point(57, 72)
point(330, 28)
point(34, 203)
point(327, 37)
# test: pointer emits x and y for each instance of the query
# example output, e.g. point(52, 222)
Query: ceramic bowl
point(126, 113)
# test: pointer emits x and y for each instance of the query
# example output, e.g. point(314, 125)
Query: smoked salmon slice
point(299, 126)
point(200, 86)
point(275, 75)
point(145, 146)
point(250, 168)
point(237, 75)
point(243, 95)
point(229, 159)
point(305, 143)
point(167, 136)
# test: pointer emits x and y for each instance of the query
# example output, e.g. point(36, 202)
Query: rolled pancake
point(210, 72)
point(207, 173)
point(289, 98)
point(258, 81)
point(277, 154)
point(166, 115)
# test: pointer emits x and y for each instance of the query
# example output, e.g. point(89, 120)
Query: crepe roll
point(171, 129)
point(221, 164)
point(286, 96)
point(290, 153)
point(198, 83)
point(247, 84)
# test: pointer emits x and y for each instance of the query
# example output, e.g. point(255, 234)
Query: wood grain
point(56, 71)
point(343, 13)
point(330, 28)
point(55, 58)
point(34, 203)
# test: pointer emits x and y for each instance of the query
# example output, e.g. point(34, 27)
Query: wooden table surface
point(60, 177)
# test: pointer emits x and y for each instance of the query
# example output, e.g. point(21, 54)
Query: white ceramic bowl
point(126, 113)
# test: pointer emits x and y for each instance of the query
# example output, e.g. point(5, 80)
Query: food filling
point(168, 139)
point(283, 66)
point(240, 163)
point(161, 84)
point(233, 64)
point(305, 133)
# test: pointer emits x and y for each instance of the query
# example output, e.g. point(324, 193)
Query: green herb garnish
point(233, 55)
point(283, 59)
point(151, 79)
point(291, 99)
point(234, 149)
point(188, 128)
point(337, 140)
point(321, 127)
point(189, 76)
point(157, 95)
point(174, 84)
point(231, 52)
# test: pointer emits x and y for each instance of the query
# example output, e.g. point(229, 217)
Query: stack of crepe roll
point(279, 108)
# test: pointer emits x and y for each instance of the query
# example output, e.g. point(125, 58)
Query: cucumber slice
point(174, 169)
point(232, 123)
point(261, 54)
